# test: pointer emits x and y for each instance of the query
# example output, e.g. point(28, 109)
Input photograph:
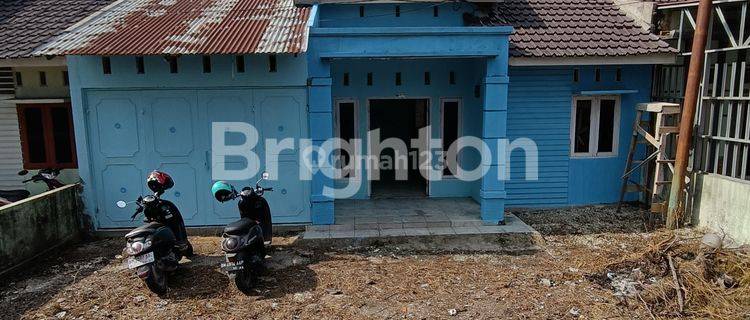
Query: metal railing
point(722, 124)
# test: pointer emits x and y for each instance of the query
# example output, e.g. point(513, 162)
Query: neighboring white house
point(36, 129)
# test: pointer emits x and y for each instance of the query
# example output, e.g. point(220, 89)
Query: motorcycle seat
point(145, 229)
point(14, 195)
point(240, 226)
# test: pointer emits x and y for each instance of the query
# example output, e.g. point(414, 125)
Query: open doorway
point(401, 119)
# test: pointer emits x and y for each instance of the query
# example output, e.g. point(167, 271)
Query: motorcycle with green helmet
point(244, 241)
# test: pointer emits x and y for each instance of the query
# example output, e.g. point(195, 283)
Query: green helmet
point(222, 191)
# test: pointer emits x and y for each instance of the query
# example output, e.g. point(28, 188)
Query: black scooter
point(156, 247)
point(48, 176)
point(244, 241)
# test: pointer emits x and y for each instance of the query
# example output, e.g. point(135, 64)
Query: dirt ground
point(561, 281)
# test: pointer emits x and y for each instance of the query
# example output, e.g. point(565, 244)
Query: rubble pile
point(678, 275)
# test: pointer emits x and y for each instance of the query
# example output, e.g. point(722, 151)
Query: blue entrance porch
point(382, 54)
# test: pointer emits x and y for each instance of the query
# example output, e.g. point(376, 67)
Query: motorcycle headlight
point(231, 243)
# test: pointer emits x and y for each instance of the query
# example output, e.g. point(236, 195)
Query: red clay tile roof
point(26, 24)
point(571, 28)
point(156, 27)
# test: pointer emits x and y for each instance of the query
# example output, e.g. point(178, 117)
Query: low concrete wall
point(723, 204)
point(36, 225)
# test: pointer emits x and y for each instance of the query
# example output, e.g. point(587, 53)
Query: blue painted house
point(148, 77)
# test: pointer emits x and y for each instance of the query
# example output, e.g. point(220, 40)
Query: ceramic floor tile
point(385, 226)
point(366, 226)
point(421, 224)
point(439, 224)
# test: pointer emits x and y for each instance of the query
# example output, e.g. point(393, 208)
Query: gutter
point(693, 3)
point(657, 58)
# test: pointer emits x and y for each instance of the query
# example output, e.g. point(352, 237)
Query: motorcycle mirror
point(23, 172)
point(122, 204)
point(265, 175)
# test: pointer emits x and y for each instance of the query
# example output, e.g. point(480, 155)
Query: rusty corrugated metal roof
point(155, 27)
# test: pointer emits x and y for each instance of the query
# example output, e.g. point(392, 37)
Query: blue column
point(321, 129)
point(494, 120)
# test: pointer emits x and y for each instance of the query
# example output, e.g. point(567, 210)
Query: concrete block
point(392, 232)
point(340, 234)
point(416, 232)
point(466, 230)
point(441, 231)
point(414, 224)
point(37, 225)
point(316, 235)
point(342, 227)
point(366, 233)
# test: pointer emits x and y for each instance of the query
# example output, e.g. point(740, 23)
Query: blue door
point(134, 132)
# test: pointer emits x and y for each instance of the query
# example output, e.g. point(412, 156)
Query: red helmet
point(159, 181)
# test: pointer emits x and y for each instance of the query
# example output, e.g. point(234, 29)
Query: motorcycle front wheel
point(245, 279)
point(156, 280)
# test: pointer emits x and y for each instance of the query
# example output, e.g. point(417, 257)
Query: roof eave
point(56, 61)
point(322, 2)
point(690, 3)
point(656, 58)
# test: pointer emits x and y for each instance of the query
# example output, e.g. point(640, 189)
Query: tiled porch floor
point(410, 217)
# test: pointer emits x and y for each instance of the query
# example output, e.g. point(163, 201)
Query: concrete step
point(515, 235)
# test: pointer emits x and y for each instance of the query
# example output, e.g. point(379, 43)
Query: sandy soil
point(561, 281)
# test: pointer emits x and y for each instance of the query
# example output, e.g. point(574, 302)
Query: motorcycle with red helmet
point(155, 248)
point(244, 241)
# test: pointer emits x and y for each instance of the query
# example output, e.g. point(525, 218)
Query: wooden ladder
point(666, 122)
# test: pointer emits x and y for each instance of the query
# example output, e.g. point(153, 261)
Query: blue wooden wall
point(539, 107)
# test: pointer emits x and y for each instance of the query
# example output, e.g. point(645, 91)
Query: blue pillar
point(321, 129)
point(494, 119)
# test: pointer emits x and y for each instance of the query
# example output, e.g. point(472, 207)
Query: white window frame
point(337, 133)
point(594, 127)
point(459, 127)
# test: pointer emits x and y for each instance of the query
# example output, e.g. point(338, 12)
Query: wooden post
point(676, 196)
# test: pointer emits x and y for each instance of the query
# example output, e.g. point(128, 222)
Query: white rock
point(545, 282)
point(452, 312)
point(301, 296)
point(712, 240)
point(574, 311)
point(161, 304)
point(61, 314)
